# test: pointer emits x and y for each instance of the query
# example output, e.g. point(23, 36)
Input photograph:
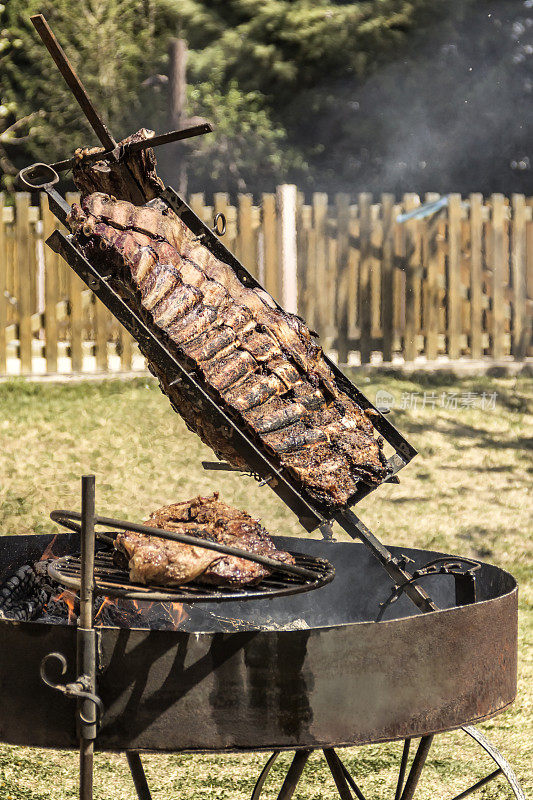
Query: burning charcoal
point(121, 613)
point(63, 606)
point(23, 595)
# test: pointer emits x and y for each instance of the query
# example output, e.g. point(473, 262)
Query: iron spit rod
point(86, 639)
point(417, 767)
point(86, 769)
point(109, 522)
point(354, 527)
point(403, 768)
point(294, 774)
point(73, 82)
point(87, 550)
point(136, 147)
point(138, 775)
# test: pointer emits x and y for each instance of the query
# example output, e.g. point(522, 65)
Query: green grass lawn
point(468, 492)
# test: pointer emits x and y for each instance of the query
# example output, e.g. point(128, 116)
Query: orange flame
point(107, 602)
point(47, 553)
point(69, 599)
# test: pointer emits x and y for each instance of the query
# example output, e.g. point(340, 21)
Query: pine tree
point(352, 95)
point(109, 42)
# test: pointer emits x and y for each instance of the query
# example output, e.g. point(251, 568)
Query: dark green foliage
point(249, 59)
point(110, 43)
point(382, 95)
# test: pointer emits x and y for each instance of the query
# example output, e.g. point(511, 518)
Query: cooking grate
point(112, 581)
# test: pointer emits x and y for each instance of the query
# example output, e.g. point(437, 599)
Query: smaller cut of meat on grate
point(152, 560)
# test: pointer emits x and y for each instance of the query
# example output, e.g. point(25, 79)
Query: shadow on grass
point(503, 468)
point(485, 438)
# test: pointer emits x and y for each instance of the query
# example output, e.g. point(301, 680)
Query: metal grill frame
point(159, 348)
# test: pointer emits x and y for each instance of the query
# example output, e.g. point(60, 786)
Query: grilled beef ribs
point(261, 362)
point(158, 561)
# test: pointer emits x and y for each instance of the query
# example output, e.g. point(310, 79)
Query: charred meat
point(261, 363)
point(133, 177)
point(162, 562)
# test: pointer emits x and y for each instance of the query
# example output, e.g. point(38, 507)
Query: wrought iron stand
point(348, 789)
point(90, 709)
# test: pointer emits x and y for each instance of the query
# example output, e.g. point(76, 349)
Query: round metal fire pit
point(312, 670)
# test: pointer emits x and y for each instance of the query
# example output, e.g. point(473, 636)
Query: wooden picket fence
point(455, 284)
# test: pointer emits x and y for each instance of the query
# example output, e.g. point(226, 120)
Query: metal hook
point(37, 176)
point(62, 660)
point(79, 689)
point(220, 231)
point(43, 177)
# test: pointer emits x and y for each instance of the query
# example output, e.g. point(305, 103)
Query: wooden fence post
point(365, 306)
point(3, 287)
point(498, 256)
point(270, 245)
point(75, 288)
point(288, 258)
point(342, 203)
point(476, 275)
point(412, 281)
point(51, 288)
point(518, 267)
point(230, 237)
point(301, 244)
point(246, 239)
point(101, 336)
point(454, 299)
point(354, 259)
point(376, 245)
point(320, 296)
point(398, 279)
point(22, 227)
point(307, 272)
point(430, 296)
point(197, 203)
point(126, 349)
point(387, 276)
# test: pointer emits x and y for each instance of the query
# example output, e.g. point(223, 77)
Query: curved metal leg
point(292, 777)
point(344, 782)
point(504, 768)
point(258, 788)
